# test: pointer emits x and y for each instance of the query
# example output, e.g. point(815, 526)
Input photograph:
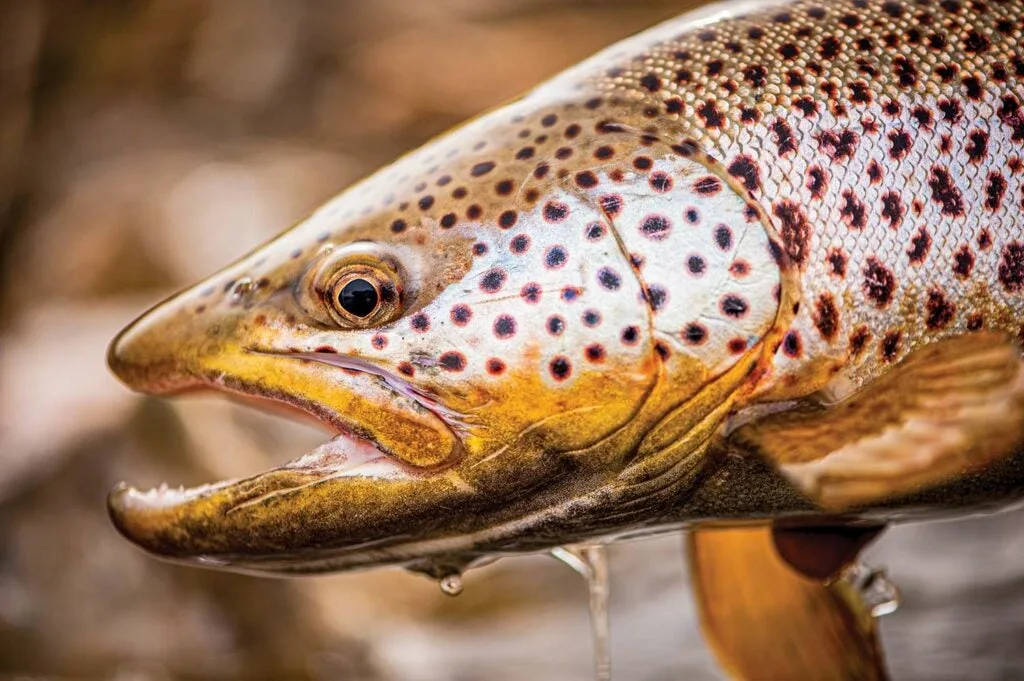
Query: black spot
point(826, 317)
point(609, 278)
point(655, 227)
point(611, 204)
point(709, 113)
point(696, 264)
point(756, 75)
point(555, 325)
point(796, 229)
point(660, 182)
point(504, 326)
point(591, 318)
point(448, 220)
point(482, 168)
point(420, 321)
point(651, 82)
point(560, 368)
point(879, 283)
point(830, 48)
point(707, 185)
point(734, 306)
point(1011, 267)
point(461, 314)
point(746, 168)
point(453, 361)
point(784, 139)
point(817, 181)
point(920, 244)
point(977, 146)
point(555, 211)
point(586, 179)
point(398, 226)
point(945, 192)
point(493, 280)
point(838, 144)
point(963, 262)
point(853, 211)
point(555, 257)
point(694, 334)
point(723, 237)
point(891, 345)
point(939, 310)
point(995, 190)
point(892, 209)
point(508, 219)
point(656, 297)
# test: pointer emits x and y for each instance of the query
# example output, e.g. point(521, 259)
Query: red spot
point(495, 367)
point(379, 341)
point(736, 346)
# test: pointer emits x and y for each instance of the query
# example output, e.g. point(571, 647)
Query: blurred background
point(145, 144)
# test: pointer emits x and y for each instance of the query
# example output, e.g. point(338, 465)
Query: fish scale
point(812, 73)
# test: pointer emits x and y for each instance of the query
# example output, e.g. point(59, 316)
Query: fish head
point(462, 323)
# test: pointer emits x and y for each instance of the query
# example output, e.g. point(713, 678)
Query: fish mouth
point(345, 495)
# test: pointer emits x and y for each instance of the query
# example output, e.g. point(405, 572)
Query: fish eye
point(359, 297)
point(356, 288)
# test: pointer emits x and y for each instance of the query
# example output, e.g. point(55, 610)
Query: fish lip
point(164, 494)
point(452, 420)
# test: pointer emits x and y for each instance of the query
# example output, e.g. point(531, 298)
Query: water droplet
point(879, 594)
point(451, 585)
point(591, 562)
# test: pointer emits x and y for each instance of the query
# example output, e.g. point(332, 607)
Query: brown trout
point(759, 262)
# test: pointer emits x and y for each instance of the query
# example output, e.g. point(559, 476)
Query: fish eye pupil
point(359, 298)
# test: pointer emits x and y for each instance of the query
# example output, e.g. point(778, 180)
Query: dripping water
point(591, 562)
point(878, 593)
point(451, 584)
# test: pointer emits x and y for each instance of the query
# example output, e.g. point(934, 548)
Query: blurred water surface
point(146, 143)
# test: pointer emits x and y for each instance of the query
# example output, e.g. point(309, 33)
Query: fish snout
point(162, 351)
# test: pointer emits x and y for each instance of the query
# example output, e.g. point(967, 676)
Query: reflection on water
point(148, 142)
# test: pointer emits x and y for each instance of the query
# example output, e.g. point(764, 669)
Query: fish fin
point(949, 408)
point(764, 620)
point(822, 551)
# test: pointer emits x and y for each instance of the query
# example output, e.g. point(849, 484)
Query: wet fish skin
point(746, 206)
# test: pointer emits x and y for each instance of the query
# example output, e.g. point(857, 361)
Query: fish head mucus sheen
point(548, 285)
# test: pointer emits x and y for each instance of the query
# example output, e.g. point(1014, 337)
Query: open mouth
point(352, 468)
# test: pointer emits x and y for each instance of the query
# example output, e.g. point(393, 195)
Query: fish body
point(754, 229)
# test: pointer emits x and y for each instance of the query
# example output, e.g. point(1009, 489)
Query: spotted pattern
point(651, 204)
point(883, 138)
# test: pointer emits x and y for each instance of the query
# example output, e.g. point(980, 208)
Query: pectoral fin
point(764, 620)
point(947, 409)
